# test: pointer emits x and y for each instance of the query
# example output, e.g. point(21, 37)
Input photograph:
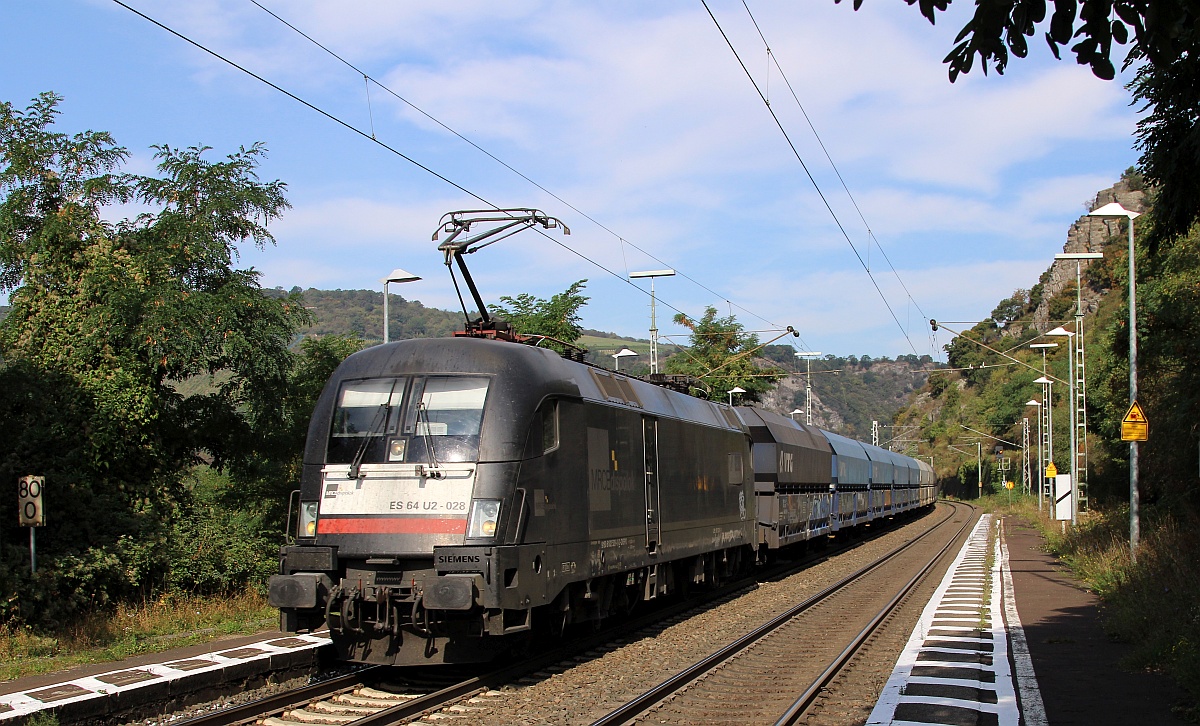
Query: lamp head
point(652, 273)
point(398, 275)
point(1113, 209)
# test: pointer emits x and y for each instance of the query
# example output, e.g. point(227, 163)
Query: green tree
point(1011, 309)
point(556, 318)
point(719, 356)
point(108, 319)
point(268, 469)
point(1163, 37)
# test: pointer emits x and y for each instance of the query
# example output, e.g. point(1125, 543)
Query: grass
point(1152, 604)
point(170, 622)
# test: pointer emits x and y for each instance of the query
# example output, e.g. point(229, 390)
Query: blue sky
point(639, 116)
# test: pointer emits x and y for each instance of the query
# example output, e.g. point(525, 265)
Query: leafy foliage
point(719, 356)
point(215, 548)
point(1168, 381)
point(556, 318)
point(107, 322)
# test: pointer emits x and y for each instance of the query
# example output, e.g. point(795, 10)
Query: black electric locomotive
point(460, 493)
point(454, 487)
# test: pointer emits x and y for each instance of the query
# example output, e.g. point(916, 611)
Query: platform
point(178, 677)
point(1009, 638)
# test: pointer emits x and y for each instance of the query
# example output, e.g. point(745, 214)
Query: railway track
point(354, 697)
point(754, 679)
point(380, 695)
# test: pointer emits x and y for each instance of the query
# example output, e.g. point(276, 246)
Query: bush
point(64, 586)
point(202, 548)
point(217, 549)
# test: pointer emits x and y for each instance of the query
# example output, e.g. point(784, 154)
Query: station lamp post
point(979, 466)
point(794, 412)
point(1113, 209)
point(397, 275)
point(735, 389)
point(808, 356)
point(622, 353)
point(653, 320)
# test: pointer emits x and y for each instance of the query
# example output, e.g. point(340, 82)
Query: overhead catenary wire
point(774, 60)
point(808, 173)
point(621, 240)
point(370, 137)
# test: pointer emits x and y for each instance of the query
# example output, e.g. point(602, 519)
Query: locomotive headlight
point(485, 513)
point(308, 519)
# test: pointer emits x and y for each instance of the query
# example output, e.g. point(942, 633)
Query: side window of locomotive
point(549, 427)
point(735, 469)
point(366, 413)
point(444, 422)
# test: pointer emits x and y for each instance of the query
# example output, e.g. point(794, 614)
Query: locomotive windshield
point(427, 419)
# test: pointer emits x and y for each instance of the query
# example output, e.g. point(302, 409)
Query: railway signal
point(30, 511)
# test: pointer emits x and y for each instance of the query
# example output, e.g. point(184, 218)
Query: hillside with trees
point(359, 314)
point(850, 393)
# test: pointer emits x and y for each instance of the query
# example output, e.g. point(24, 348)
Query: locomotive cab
point(411, 518)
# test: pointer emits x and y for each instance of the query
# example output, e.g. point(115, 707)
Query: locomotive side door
point(653, 501)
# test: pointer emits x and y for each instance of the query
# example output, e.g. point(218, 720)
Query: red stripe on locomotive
point(390, 525)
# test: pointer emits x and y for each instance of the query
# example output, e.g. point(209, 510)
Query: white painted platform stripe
point(1032, 707)
point(951, 609)
point(23, 704)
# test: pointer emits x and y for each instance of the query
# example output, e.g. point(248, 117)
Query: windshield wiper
point(433, 463)
point(356, 462)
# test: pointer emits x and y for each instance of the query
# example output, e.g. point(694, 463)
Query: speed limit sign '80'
point(29, 497)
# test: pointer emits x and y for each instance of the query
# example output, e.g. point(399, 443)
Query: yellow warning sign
point(1009, 484)
point(1051, 470)
point(1135, 427)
